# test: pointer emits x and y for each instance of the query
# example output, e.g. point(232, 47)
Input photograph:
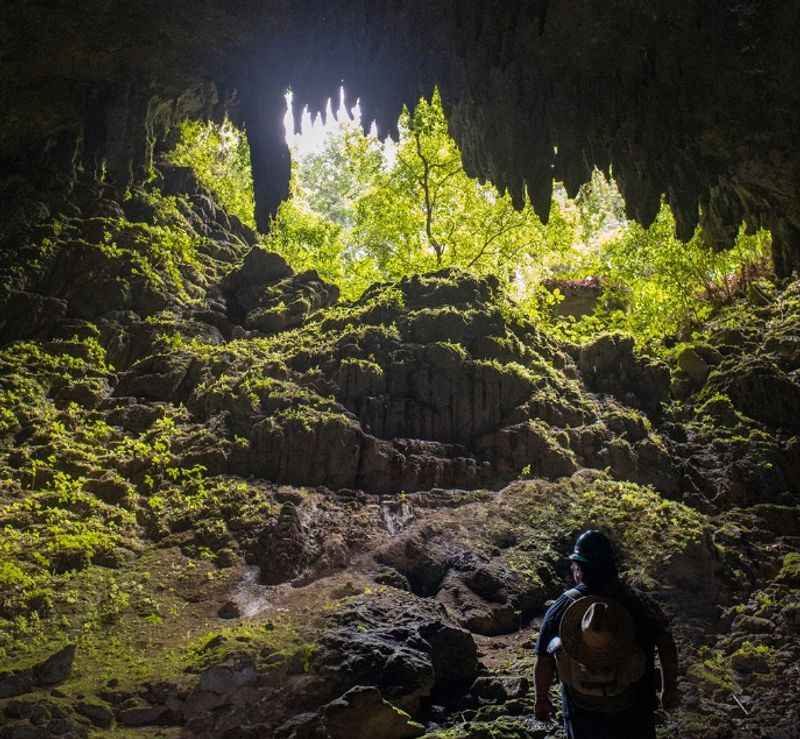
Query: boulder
point(401, 646)
point(227, 677)
point(362, 713)
point(302, 726)
point(111, 488)
point(55, 669)
point(145, 716)
point(754, 625)
point(157, 377)
point(99, 714)
point(500, 689)
point(418, 560)
point(24, 731)
point(487, 598)
point(260, 268)
point(391, 577)
point(288, 303)
point(693, 365)
point(229, 610)
point(16, 682)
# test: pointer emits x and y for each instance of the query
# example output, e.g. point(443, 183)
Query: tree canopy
point(382, 209)
point(365, 210)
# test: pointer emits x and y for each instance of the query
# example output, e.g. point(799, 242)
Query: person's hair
point(597, 576)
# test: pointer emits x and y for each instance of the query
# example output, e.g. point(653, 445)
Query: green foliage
point(138, 263)
point(424, 212)
point(28, 371)
point(307, 240)
point(156, 253)
point(600, 208)
point(790, 572)
point(219, 154)
point(209, 505)
point(648, 529)
point(748, 649)
point(713, 671)
point(275, 644)
point(365, 211)
point(60, 527)
point(657, 286)
point(330, 182)
point(647, 526)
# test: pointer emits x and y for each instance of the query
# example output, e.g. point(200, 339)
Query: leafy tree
point(329, 182)
point(600, 208)
point(657, 286)
point(364, 210)
point(308, 241)
point(423, 212)
point(219, 154)
point(405, 207)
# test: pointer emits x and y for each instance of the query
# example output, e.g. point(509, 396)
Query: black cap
point(593, 547)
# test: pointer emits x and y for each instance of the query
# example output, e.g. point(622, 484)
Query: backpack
point(607, 690)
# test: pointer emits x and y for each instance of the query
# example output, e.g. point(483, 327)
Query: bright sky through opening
point(310, 136)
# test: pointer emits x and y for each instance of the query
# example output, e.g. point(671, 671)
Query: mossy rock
point(790, 571)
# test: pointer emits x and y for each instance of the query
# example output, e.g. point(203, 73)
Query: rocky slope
point(233, 506)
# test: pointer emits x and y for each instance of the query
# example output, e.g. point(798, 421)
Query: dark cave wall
point(697, 100)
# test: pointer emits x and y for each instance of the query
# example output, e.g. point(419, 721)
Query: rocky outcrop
point(291, 528)
point(52, 671)
point(403, 647)
point(283, 548)
point(610, 365)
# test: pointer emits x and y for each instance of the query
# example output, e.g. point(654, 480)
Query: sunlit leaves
point(656, 286)
point(220, 157)
point(365, 210)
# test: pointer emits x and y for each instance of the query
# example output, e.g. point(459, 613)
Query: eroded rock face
point(708, 90)
point(610, 365)
point(418, 385)
point(309, 524)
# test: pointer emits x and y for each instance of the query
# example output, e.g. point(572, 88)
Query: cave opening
point(362, 209)
point(296, 436)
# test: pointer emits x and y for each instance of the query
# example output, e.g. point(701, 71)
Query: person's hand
point(670, 698)
point(544, 708)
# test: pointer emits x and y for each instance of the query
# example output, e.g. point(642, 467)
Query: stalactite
point(698, 102)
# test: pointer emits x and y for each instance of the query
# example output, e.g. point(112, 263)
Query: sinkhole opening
point(367, 208)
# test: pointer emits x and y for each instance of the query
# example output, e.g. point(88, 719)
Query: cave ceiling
point(695, 100)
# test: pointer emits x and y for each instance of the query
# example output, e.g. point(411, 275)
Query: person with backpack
point(600, 638)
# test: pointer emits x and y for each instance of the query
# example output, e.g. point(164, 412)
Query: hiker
point(600, 638)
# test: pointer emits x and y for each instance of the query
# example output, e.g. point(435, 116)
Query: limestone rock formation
point(694, 101)
point(262, 528)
